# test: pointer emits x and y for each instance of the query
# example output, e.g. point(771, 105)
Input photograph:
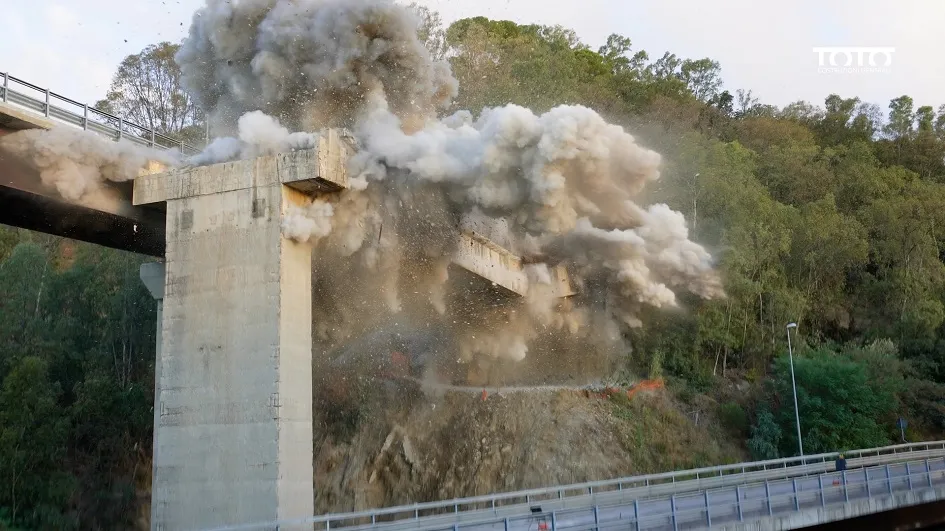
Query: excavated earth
point(386, 443)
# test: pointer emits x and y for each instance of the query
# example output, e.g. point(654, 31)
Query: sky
point(73, 46)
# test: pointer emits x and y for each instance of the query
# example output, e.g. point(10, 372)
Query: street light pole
point(797, 414)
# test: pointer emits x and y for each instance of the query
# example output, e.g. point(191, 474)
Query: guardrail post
point(121, 125)
point(708, 516)
point(47, 103)
point(797, 500)
point(823, 494)
point(888, 480)
point(152, 137)
point(182, 146)
point(843, 478)
point(85, 116)
point(636, 513)
point(866, 476)
point(928, 469)
point(596, 517)
point(909, 476)
point(554, 521)
point(672, 501)
point(6, 85)
point(768, 498)
point(738, 501)
point(506, 523)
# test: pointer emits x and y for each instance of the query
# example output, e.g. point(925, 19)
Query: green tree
point(702, 77)
point(901, 118)
point(925, 119)
point(840, 406)
point(33, 432)
point(146, 90)
point(765, 441)
point(430, 30)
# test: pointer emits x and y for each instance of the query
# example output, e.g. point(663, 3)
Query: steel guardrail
point(845, 486)
point(492, 501)
point(629, 495)
point(90, 119)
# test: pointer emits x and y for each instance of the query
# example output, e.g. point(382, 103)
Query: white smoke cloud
point(563, 186)
point(259, 134)
point(77, 163)
point(309, 63)
point(309, 223)
point(548, 170)
point(559, 188)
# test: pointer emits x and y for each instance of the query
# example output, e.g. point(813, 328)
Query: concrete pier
point(152, 276)
point(233, 398)
point(233, 421)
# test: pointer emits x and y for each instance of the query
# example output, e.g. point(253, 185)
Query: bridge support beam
point(233, 422)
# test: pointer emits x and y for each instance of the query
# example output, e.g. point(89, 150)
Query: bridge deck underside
point(25, 204)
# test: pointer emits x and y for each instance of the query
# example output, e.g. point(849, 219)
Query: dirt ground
point(391, 443)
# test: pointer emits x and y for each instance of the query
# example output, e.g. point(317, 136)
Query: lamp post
point(797, 415)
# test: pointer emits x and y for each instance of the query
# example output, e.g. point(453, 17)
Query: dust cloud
point(309, 63)
point(559, 188)
point(77, 164)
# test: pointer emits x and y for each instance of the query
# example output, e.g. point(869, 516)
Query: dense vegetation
point(76, 356)
point(832, 217)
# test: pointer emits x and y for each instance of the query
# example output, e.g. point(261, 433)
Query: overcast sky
point(73, 46)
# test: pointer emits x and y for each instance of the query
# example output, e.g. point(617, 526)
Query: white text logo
point(854, 59)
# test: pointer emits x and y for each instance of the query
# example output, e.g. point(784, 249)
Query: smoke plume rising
point(309, 63)
point(259, 134)
point(559, 188)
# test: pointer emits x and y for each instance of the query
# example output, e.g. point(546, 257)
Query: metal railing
point(57, 107)
point(678, 481)
point(707, 508)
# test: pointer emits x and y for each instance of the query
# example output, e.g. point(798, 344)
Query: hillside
point(393, 444)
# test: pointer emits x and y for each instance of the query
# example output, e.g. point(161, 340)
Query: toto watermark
point(854, 59)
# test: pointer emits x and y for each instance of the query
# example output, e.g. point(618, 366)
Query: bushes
point(844, 400)
point(765, 437)
point(734, 418)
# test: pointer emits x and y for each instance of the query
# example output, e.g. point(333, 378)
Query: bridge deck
point(26, 203)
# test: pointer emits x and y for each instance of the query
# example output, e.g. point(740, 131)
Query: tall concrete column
point(152, 276)
point(233, 425)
